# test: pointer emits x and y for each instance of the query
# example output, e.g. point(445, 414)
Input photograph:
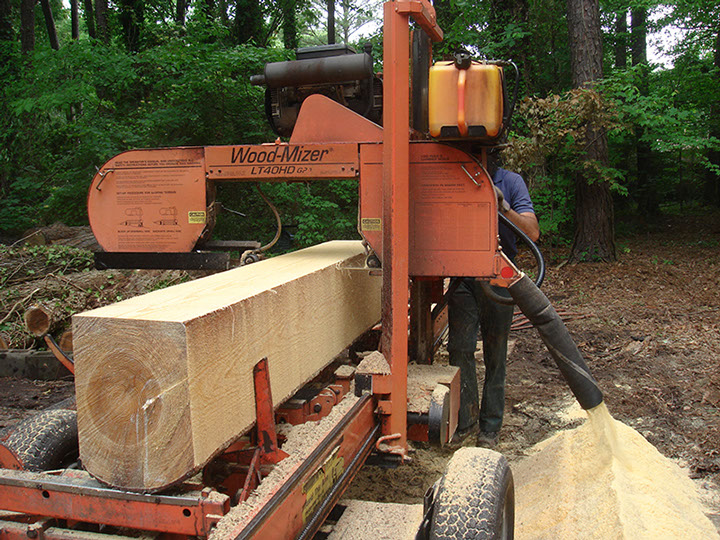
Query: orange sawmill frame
point(316, 151)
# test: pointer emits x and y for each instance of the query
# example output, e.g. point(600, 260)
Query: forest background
point(85, 80)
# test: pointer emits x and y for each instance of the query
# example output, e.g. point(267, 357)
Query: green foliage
point(672, 122)
point(73, 109)
point(312, 212)
point(548, 149)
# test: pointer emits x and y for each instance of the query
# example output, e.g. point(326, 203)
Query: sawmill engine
point(335, 71)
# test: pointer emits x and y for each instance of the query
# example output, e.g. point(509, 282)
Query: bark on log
point(164, 380)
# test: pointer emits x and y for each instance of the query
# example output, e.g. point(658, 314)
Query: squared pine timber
point(164, 380)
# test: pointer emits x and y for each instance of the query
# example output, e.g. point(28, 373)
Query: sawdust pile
point(365, 520)
point(604, 480)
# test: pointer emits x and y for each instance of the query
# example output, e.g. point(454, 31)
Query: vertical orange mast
point(396, 205)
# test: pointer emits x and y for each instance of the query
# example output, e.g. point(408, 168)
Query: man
point(469, 309)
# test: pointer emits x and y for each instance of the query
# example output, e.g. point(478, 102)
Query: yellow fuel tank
point(465, 103)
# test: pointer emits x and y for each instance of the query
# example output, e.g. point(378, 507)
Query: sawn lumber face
point(164, 381)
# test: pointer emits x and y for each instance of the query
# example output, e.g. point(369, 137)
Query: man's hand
point(503, 205)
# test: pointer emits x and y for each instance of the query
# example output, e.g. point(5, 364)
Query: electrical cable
point(267, 246)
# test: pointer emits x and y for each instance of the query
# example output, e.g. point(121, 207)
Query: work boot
point(463, 436)
point(488, 439)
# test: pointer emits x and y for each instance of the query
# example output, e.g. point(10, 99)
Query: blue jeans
point(469, 310)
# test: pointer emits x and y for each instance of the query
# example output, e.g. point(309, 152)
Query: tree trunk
point(222, 12)
point(6, 25)
point(621, 40)
point(646, 193)
point(101, 7)
point(90, 18)
point(594, 238)
point(40, 320)
point(74, 19)
point(331, 21)
point(180, 10)
point(50, 24)
point(345, 20)
point(248, 21)
point(132, 16)
point(712, 178)
point(27, 26)
point(595, 223)
point(289, 23)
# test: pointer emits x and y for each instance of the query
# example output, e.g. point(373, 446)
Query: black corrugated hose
point(537, 308)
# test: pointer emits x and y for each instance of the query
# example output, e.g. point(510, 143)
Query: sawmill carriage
point(185, 396)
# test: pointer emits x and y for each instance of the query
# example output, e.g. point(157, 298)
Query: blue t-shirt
point(517, 196)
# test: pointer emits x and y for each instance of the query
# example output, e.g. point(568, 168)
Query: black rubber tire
point(45, 441)
point(475, 499)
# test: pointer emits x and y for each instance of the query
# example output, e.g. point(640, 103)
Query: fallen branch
point(66, 280)
point(19, 302)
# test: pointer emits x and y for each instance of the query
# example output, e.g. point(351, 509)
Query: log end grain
point(38, 320)
point(133, 404)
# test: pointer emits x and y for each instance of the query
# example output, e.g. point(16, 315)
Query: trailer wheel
point(45, 441)
point(475, 499)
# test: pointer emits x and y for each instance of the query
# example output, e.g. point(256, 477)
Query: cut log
point(164, 380)
point(39, 320)
point(66, 343)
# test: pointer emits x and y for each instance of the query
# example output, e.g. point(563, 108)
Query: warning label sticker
point(371, 224)
point(321, 482)
point(197, 216)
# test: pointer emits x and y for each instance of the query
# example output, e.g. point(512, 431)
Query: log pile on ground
point(62, 279)
point(61, 234)
point(164, 380)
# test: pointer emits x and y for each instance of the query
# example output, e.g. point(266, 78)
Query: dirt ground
point(648, 326)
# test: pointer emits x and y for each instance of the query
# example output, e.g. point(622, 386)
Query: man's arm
point(526, 221)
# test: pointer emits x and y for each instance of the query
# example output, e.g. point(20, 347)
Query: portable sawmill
point(185, 395)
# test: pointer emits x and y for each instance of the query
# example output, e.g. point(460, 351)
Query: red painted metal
point(265, 415)
point(395, 215)
point(322, 120)
point(452, 208)
point(423, 13)
point(251, 478)
point(63, 358)
point(308, 407)
point(68, 498)
point(9, 459)
point(287, 510)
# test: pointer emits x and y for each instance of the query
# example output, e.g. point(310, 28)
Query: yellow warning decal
point(197, 216)
point(321, 482)
point(371, 224)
